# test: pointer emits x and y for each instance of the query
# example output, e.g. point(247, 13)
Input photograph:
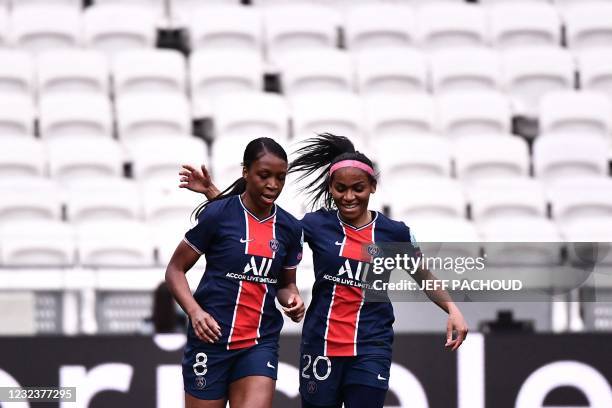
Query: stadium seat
point(170, 204)
point(442, 229)
point(119, 27)
point(298, 27)
point(167, 235)
point(529, 73)
point(524, 24)
point(337, 113)
point(44, 27)
point(4, 32)
point(585, 112)
point(580, 198)
point(221, 72)
point(401, 157)
point(75, 115)
point(230, 27)
point(316, 71)
point(426, 198)
point(38, 243)
point(115, 244)
point(155, 5)
point(260, 115)
point(26, 199)
point(103, 199)
point(394, 26)
point(465, 69)
point(484, 157)
point(16, 72)
point(21, 157)
point(588, 25)
point(507, 198)
point(97, 158)
point(399, 115)
point(75, 70)
point(569, 155)
point(589, 230)
point(143, 116)
point(16, 4)
point(156, 161)
point(470, 113)
point(226, 159)
point(403, 71)
point(449, 24)
point(149, 71)
point(595, 67)
point(182, 10)
point(16, 115)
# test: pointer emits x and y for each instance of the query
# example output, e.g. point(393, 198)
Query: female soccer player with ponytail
point(346, 340)
point(252, 248)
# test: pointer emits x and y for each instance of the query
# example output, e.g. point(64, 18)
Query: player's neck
point(258, 210)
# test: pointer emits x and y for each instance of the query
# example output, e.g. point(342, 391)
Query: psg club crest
point(274, 245)
point(200, 383)
point(311, 387)
point(374, 250)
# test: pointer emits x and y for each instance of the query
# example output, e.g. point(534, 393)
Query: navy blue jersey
point(244, 259)
point(339, 322)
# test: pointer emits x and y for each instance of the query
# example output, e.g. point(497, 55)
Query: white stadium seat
point(119, 27)
point(41, 28)
point(588, 230)
point(29, 199)
point(394, 26)
point(477, 112)
point(585, 112)
point(529, 73)
point(445, 25)
point(16, 4)
point(427, 197)
point(103, 199)
point(588, 25)
point(97, 158)
point(37, 243)
point(230, 27)
point(16, 72)
point(4, 32)
point(580, 198)
point(520, 198)
point(403, 71)
point(465, 69)
point(182, 10)
point(79, 115)
point(155, 5)
point(298, 27)
point(524, 24)
point(399, 115)
point(442, 229)
point(569, 155)
point(21, 157)
point(483, 157)
point(16, 115)
point(73, 70)
point(115, 244)
point(260, 115)
point(149, 71)
point(156, 161)
point(169, 204)
point(220, 72)
point(227, 155)
point(595, 67)
point(337, 113)
point(317, 71)
point(143, 116)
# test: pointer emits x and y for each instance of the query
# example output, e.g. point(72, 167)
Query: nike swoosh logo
point(244, 241)
point(270, 365)
point(381, 378)
point(338, 243)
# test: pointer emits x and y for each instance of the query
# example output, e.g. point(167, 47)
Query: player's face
point(351, 188)
point(265, 179)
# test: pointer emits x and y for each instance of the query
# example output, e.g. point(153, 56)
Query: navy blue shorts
point(209, 369)
point(323, 378)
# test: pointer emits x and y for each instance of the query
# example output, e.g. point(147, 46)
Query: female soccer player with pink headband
point(346, 339)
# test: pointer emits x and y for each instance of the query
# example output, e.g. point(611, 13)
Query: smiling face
point(265, 180)
point(351, 188)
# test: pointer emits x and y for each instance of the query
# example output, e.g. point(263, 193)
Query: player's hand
point(197, 180)
point(295, 308)
point(455, 323)
point(205, 326)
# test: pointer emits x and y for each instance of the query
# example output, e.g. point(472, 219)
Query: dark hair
point(252, 152)
point(317, 156)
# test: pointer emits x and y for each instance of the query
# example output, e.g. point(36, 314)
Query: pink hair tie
point(351, 163)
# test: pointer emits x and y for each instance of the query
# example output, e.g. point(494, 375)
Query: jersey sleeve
point(295, 247)
point(200, 236)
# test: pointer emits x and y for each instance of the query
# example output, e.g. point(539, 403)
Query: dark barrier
point(494, 371)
